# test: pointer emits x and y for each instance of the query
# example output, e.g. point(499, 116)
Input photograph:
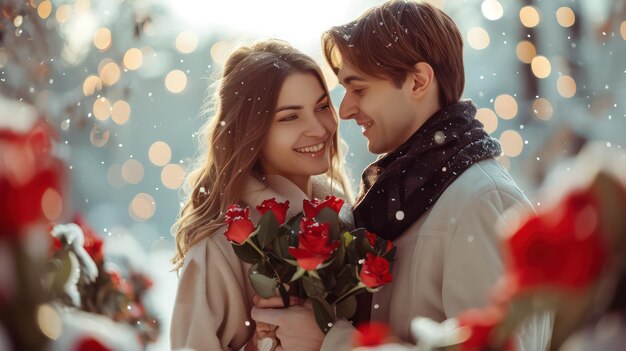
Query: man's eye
point(322, 108)
point(358, 91)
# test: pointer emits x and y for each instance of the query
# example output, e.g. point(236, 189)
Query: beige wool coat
point(214, 297)
point(448, 260)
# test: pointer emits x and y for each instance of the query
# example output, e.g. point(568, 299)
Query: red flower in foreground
point(30, 178)
point(371, 238)
point(481, 323)
point(278, 208)
point(312, 208)
point(562, 248)
point(90, 344)
point(375, 271)
point(93, 241)
point(313, 247)
point(239, 226)
point(370, 334)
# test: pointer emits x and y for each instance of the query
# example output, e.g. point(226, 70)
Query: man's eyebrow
point(350, 79)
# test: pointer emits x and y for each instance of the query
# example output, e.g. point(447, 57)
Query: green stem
point(346, 295)
point(256, 248)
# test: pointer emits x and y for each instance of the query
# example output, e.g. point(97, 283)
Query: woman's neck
point(304, 183)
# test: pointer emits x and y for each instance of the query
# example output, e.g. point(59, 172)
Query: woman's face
point(299, 140)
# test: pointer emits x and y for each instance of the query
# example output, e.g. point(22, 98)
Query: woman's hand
point(296, 328)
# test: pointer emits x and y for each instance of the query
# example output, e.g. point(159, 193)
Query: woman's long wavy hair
point(245, 101)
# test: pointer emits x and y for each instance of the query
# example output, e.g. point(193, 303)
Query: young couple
point(436, 190)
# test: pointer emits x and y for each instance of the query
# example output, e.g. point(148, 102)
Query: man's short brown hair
point(388, 40)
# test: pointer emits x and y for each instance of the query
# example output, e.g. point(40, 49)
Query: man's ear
point(421, 79)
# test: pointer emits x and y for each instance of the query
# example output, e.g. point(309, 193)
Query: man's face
point(386, 113)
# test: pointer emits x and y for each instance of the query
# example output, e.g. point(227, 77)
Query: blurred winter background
point(123, 83)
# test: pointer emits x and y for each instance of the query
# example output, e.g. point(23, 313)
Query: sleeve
point(473, 263)
point(339, 337)
point(211, 311)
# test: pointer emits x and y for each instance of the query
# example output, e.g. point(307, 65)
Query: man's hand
point(296, 326)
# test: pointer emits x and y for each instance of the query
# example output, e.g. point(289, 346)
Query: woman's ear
point(421, 79)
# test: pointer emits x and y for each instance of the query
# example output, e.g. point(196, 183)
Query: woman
point(274, 134)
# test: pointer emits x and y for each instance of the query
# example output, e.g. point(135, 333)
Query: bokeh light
point(526, 51)
point(132, 171)
point(566, 86)
point(622, 29)
point(63, 13)
point(541, 67)
point(120, 112)
point(492, 9)
point(102, 108)
point(114, 176)
point(220, 51)
point(160, 153)
point(529, 16)
point(102, 39)
point(505, 106)
point(176, 81)
point(133, 58)
point(91, 85)
point(52, 204)
point(172, 176)
point(49, 321)
point(186, 42)
point(512, 143)
point(542, 109)
point(142, 207)
point(565, 16)
point(98, 136)
point(488, 118)
point(110, 73)
point(44, 9)
point(477, 38)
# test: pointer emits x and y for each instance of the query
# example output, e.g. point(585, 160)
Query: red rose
point(27, 172)
point(90, 344)
point(313, 208)
point(313, 247)
point(563, 247)
point(481, 323)
point(371, 237)
point(370, 334)
point(375, 271)
point(279, 209)
point(239, 226)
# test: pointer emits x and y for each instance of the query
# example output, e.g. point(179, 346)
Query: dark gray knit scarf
point(402, 185)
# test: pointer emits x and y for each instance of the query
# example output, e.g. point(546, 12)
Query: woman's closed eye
point(288, 118)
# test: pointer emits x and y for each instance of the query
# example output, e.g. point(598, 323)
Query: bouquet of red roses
point(311, 255)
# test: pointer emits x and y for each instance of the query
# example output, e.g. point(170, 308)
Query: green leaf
point(347, 239)
point(340, 255)
point(267, 229)
point(344, 281)
point(299, 273)
point(324, 315)
point(327, 215)
point(280, 244)
point(247, 253)
point(262, 284)
point(347, 307)
point(313, 287)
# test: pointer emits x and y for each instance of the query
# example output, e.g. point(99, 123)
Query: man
point(436, 190)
